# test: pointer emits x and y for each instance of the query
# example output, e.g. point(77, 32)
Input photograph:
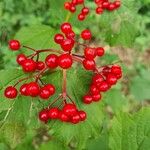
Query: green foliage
point(114, 129)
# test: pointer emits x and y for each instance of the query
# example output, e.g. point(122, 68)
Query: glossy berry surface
point(69, 109)
point(89, 64)
point(66, 27)
point(86, 34)
point(14, 45)
point(24, 90)
point(67, 44)
point(33, 89)
point(43, 115)
point(87, 99)
point(89, 53)
point(58, 38)
point(52, 61)
point(29, 65)
point(65, 61)
point(11, 92)
point(53, 113)
point(21, 58)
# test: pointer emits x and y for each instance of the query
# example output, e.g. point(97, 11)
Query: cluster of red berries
point(101, 6)
point(103, 79)
point(89, 55)
point(102, 82)
point(69, 113)
point(31, 89)
point(106, 5)
point(71, 6)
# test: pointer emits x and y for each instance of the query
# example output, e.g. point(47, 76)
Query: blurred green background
point(125, 34)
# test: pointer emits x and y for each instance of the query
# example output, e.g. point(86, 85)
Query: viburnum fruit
point(86, 34)
point(33, 89)
point(101, 6)
point(65, 61)
point(52, 61)
point(29, 65)
point(11, 92)
point(14, 45)
point(21, 58)
point(103, 77)
point(43, 115)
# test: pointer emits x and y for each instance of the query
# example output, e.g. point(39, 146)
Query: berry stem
point(64, 84)
point(77, 59)
point(29, 48)
point(22, 80)
point(81, 44)
point(60, 96)
point(78, 55)
point(41, 73)
point(70, 99)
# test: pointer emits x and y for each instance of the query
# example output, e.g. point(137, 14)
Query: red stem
point(29, 48)
point(40, 73)
point(22, 80)
point(64, 85)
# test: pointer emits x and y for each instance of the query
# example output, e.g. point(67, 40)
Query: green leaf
point(140, 86)
point(54, 145)
point(118, 27)
point(130, 132)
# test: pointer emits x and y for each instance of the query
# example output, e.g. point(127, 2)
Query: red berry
point(80, 1)
point(40, 65)
point(93, 89)
point(72, 8)
point(53, 113)
point(82, 115)
point(85, 10)
point(96, 97)
point(67, 44)
point(100, 51)
point(74, 2)
point(69, 110)
point(52, 61)
point(51, 88)
point(86, 34)
point(89, 53)
point(103, 86)
point(24, 89)
point(117, 4)
point(81, 17)
point(105, 5)
point(97, 1)
point(33, 89)
point(89, 64)
point(11, 92)
point(111, 79)
point(65, 61)
point(63, 117)
point(67, 5)
point(99, 10)
point(66, 27)
point(43, 115)
point(14, 45)
point(21, 58)
point(75, 119)
point(70, 35)
point(97, 79)
point(29, 65)
point(106, 70)
point(58, 38)
point(111, 7)
point(116, 70)
point(44, 93)
point(87, 99)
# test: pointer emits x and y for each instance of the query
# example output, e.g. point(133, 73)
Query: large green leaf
point(130, 132)
point(140, 86)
